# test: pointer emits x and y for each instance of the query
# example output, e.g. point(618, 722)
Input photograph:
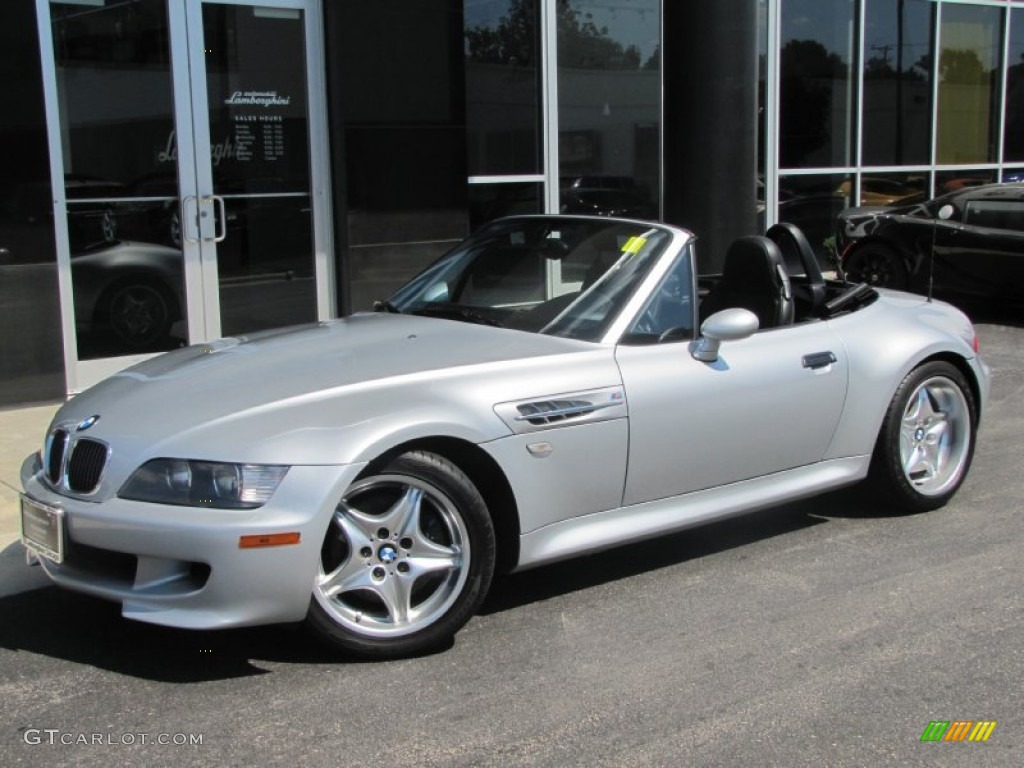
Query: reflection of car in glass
point(979, 251)
point(132, 291)
point(552, 386)
point(27, 208)
point(618, 196)
point(965, 182)
point(266, 227)
point(608, 202)
point(876, 191)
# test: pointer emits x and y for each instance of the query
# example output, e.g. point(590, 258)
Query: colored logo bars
point(958, 730)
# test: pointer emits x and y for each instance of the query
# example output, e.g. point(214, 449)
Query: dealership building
point(174, 171)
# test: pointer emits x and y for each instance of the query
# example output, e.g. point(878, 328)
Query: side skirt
point(625, 525)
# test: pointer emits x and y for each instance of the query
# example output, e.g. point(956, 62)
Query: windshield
point(562, 276)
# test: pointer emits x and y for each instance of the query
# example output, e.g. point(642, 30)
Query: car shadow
point(39, 618)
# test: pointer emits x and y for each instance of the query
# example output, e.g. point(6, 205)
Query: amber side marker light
point(268, 540)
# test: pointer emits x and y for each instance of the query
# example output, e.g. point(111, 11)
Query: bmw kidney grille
point(72, 464)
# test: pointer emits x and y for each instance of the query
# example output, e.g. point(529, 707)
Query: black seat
point(799, 258)
point(753, 278)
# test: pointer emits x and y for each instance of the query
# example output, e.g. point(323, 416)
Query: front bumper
point(182, 566)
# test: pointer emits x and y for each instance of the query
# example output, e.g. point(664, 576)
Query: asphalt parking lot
point(823, 633)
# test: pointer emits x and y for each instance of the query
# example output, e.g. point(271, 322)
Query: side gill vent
point(544, 412)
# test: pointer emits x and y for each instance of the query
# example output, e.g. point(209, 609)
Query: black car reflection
point(619, 196)
point(978, 251)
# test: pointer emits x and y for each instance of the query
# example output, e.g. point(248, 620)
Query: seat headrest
point(754, 262)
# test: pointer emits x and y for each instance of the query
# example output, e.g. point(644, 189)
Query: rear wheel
point(406, 561)
point(926, 443)
point(877, 265)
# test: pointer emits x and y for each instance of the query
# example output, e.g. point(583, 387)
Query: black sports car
point(978, 251)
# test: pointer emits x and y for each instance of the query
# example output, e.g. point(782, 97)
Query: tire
point(406, 561)
point(140, 314)
point(926, 443)
point(877, 265)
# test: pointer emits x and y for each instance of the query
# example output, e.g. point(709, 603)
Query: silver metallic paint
point(700, 440)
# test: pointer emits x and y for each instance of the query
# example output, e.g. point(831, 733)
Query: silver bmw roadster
point(551, 387)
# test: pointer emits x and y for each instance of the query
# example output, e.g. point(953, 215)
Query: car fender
point(885, 342)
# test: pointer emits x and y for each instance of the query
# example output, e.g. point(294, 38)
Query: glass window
point(1013, 148)
point(609, 106)
point(259, 128)
point(668, 314)
point(893, 189)
point(113, 72)
point(898, 40)
point(398, 89)
point(813, 203)
point(995, 214)
point(955, 181)
point(491, 201)
point(763, 52)
point(969, 62)
point(502, 87)
point(30, 324)
point(566, 277)
point(816, 99)
point(1012, 175)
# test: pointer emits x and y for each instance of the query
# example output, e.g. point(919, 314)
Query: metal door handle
point(819, 360)
point(219, 238)
point(186, 220)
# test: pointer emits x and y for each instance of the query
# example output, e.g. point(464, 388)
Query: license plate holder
point(42, 529)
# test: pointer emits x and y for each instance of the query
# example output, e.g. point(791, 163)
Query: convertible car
point(553, 386)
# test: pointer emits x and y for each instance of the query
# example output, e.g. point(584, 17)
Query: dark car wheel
point(140, 314)
point(927, 439)
point(877, 265)
point(406, 561)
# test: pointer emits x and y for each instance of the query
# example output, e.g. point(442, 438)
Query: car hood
point(277, 395)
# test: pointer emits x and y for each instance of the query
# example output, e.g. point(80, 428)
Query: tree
point(514, 41)
point(962, 66)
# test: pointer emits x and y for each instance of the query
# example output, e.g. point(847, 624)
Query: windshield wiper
point(456, 312)
point(383, 305)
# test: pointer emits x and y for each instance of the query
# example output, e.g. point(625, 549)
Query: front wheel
point(406, 561)
point(877, 265)
point(927, 439)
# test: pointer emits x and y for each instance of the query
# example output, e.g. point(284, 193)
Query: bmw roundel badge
point(86, 423)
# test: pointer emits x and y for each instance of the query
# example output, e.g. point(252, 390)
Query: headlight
point(203, 483)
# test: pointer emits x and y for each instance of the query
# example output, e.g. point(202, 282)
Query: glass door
point(188, 148)
point(252, 217)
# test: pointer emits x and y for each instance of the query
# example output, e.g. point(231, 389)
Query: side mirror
point(946, 212)
point(727, 325)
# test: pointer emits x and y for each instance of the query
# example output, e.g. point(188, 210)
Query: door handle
point(190, 224)
point(817, 360)
point(219, 238)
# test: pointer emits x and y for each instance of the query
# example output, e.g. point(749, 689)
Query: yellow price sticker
point(634, 244)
